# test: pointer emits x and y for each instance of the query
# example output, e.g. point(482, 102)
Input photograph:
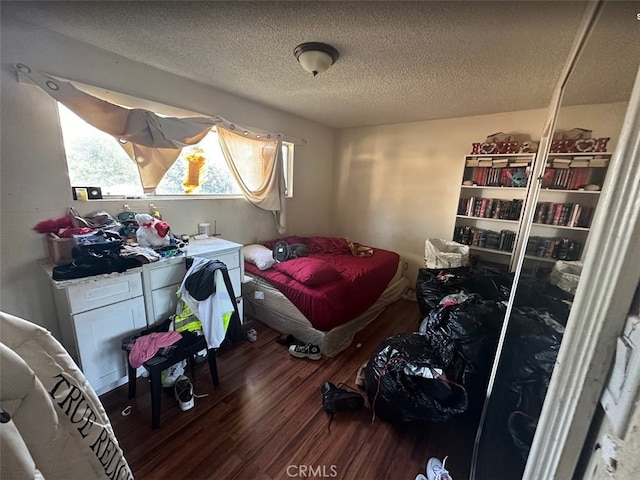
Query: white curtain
point(153, 142)
point(256, 164)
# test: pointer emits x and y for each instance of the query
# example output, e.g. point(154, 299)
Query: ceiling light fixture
point(316, 57)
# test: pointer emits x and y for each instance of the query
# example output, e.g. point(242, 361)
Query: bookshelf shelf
point(561, 190)
point(564, 227)
point(541, 259)
point(487, 187)
point(489, 250)
point(503, 155)
point(501, 220)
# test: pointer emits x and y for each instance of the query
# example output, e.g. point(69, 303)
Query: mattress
point(330, 288)
point(270, 306)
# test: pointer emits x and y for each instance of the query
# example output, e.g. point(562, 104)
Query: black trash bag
point(522, 428)
point(534, 340)
point(542, 295)
point(434, 284)
point(535, 345)
point(397, 383)
point(490, 283)
point(474, 325)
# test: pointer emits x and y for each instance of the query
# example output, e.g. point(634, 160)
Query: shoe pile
point(435, 470)
point(184, 393)
point(307, 350)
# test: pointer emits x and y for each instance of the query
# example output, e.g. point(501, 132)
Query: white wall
point(399, 184)
point(392, 186)
point(34, 180)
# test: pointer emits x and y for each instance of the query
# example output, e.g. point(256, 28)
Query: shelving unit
point(490, 205)
point(563, 213)
point(563, 191)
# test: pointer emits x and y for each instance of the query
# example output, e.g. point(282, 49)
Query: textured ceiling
point(399, 61)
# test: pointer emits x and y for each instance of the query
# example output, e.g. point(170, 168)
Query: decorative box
point(59, 249)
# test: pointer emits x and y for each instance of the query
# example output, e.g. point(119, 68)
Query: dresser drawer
point(164, 275)
point(230, 259)
point(163, 303)
point(99, 292)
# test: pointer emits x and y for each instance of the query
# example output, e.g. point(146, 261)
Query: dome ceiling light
point(316, 57)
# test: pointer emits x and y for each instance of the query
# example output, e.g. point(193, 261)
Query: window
point(94, 158)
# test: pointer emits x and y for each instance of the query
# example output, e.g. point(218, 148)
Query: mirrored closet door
point(564, 197)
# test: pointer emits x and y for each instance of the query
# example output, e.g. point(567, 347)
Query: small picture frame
point(84, 194)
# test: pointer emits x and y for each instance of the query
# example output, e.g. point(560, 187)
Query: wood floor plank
point(265, 419)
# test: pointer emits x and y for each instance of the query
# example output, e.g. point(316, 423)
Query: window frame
point(167, 110)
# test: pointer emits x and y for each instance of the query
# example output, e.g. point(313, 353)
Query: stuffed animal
point(529, 147)
point(152, 232)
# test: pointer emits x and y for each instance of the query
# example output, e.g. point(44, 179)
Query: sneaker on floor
point(171, 374)
point(184, 393)
point(436, 470)
point(420, 477)
point(306, 351)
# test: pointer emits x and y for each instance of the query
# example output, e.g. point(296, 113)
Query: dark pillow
point(309, 271)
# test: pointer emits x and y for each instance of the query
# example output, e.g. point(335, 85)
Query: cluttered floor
point(265, 419)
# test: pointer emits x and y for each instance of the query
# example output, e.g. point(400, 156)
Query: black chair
point(185, 349)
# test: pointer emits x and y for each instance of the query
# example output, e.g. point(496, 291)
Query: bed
point(325, 297)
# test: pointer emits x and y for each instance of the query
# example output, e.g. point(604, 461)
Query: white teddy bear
point(152, 232)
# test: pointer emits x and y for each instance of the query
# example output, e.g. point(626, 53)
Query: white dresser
point(96, 313)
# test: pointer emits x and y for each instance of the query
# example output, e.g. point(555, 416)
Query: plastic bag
point(414, 377)
point(433, 285)
point(439, 253)
point(534, 341)
point(566, 275)
point(473, 325)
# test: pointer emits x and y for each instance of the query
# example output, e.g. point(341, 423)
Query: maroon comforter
point(331, 286)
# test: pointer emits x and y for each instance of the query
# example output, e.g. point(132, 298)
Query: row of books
point(578, 162)
point(478, 237)
point(490, 208)
point(491, 162)
point(563, 214)
point(567, 179)
point(558, 248)
point(495, 176)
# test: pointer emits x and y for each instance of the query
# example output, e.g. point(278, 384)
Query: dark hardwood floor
point(265, 419)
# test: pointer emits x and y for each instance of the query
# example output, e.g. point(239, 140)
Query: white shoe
point(420, 477)
point(171, 374)
point(436, 470)
point(306, 351)
point(184, 393)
